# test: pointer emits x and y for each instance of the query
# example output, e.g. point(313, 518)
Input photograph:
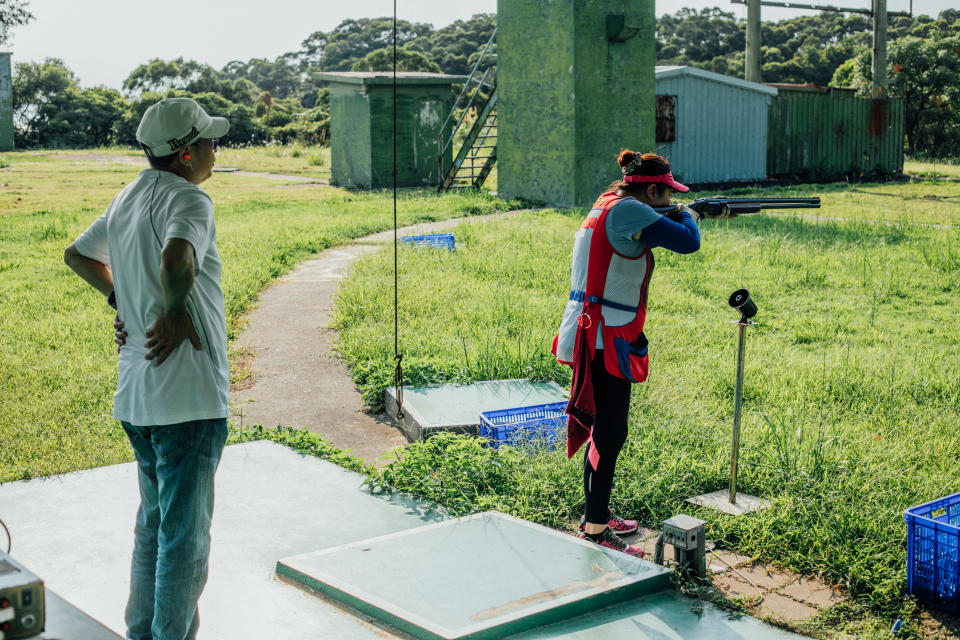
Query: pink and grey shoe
point(617, 524)
point(610, 541)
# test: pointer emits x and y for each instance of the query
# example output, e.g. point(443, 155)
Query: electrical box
point(684, 532)
point(22, 605)
point(687, 536)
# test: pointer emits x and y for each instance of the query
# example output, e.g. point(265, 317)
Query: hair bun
point(626, 157)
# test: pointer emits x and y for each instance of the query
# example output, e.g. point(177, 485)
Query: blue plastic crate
point(933, 552)
point(438, 240)
point(541, 426)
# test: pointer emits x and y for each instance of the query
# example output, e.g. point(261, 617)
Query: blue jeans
point(172, 534)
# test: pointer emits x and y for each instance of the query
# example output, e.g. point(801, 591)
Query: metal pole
point(742, 325)
point(751, 61)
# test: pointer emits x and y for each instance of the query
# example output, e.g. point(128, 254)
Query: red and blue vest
point(608, 297)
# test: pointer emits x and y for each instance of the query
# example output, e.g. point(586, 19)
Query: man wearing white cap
point(154, 255)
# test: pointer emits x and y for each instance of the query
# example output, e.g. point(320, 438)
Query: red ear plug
point(186, 156)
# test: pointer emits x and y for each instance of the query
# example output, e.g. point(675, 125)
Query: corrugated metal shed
point(822, 132)
point(720, 125)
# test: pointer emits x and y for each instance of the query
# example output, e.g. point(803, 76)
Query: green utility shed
point(827, 132)
point(361, 127)
point(6, 103)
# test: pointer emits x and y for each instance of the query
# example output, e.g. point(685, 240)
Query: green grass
point(852, 384)
point(293, 159)
point(931, 169)
point(57, 359)
point(851, 400)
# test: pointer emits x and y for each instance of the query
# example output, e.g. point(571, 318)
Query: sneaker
point(617, 524)
point(610, 541)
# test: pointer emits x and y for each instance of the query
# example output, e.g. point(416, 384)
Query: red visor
point(665, 178)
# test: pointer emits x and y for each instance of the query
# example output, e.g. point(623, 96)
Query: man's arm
point(92, 271)
point(99, 277)
point(174, 324)
point(176, 275)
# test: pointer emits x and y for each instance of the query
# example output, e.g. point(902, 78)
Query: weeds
point(57, 358)
point(851, 391)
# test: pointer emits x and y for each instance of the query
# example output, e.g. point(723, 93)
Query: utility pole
point(751, 61)
point(879, 63)
point(878, 12)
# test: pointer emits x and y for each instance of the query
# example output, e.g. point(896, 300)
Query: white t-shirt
point(129, 237)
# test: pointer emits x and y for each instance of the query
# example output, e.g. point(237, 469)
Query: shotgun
point(719, 207)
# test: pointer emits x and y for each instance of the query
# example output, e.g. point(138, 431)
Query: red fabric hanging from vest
point(582, 408)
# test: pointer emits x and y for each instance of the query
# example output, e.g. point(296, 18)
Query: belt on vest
point(580, 296)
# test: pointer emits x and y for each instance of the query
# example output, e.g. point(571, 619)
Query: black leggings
point(612, 397)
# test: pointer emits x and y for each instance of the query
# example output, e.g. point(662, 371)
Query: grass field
point(852, 384)
point(57, 359)
point(852, 394)
point(936, 170)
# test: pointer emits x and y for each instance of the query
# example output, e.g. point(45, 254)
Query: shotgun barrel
point(719, 207)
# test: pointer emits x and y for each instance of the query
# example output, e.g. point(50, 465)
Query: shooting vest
point(608, 294)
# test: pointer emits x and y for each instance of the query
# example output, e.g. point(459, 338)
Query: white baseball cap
point(174, 123)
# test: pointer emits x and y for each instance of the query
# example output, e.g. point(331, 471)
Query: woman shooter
point(601, 334)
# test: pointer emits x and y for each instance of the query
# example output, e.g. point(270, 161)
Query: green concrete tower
point(361, 127)
point(576, 85)
point(6, 103)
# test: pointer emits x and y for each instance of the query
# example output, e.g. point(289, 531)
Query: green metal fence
point(831, 133)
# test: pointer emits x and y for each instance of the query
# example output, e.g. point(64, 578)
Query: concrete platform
point(457, 407)
point(720, 500)
point(667, 615)
point(484, 576)
point(75, 531)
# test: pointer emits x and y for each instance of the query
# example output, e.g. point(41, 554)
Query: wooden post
point(879, 64)
point(752, 58)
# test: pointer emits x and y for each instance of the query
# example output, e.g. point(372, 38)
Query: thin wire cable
point(398, 371)
point(9, 537)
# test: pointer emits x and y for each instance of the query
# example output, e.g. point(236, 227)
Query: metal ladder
point(478, 153)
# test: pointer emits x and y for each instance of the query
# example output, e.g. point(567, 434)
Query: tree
point(689, 37)
point(82, 118)
point(926, 74)
point(801, 50)
point(244, 127)
point(161, 75)
point(311, 55)
point(924, 70)
point(278, 77)
point(13, 13)
point(455, 47)
point(35, 85)
point(351, 40)
point(407, 60)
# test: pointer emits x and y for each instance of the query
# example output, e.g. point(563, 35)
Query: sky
point(102, 41)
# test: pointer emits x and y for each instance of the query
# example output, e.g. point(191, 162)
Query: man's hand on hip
point(119, 335)
point(167, 333)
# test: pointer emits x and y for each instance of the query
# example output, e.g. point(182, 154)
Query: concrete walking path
point(299, 379)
